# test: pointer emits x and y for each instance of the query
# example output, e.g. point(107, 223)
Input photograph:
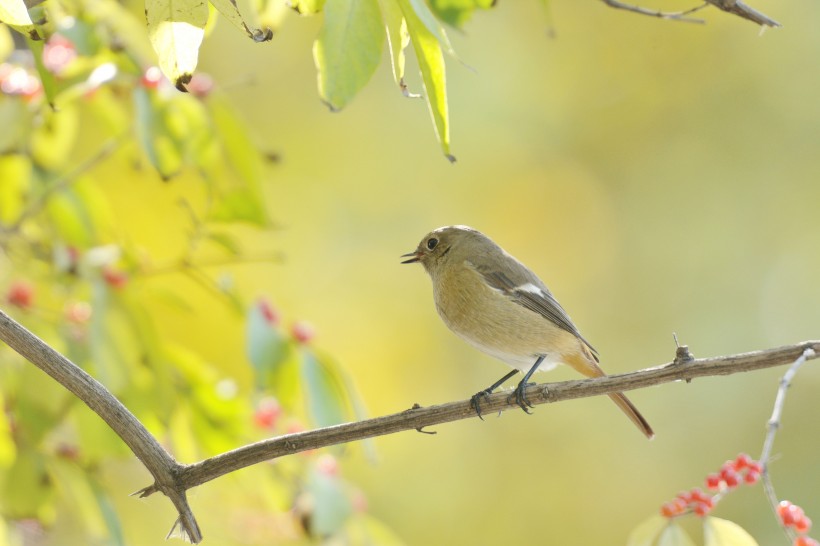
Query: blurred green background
point(660, 177)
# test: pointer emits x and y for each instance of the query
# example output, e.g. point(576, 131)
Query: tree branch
point(684, 367)
point(174, 479)
point(156, 460)
point(730, 6)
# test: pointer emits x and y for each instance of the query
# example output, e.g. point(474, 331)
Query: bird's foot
point(475, 401)
point(520, 396)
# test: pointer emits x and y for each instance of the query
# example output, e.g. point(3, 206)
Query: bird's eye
point(431, 243)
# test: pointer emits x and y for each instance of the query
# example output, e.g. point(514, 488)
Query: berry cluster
point(732, 472)
point(792, 516)
point(741, 469)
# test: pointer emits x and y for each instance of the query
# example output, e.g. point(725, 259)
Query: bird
point(496, 304)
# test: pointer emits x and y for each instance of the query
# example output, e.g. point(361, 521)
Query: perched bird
point(492, 301)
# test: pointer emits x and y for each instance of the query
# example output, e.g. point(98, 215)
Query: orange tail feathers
point(585, 364)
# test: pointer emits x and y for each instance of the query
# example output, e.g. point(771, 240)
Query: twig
point(174, 479)
point(773, 426)
point(742, 10)
point(671, 15)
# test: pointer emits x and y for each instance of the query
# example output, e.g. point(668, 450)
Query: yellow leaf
point(647, 531)
point(15, 14)
point(673, 535)
point(176, 28)
point(722, 532)
point(397, 37)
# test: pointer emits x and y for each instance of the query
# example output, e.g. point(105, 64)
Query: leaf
point(176, 28)
point(17, 122)
point(332, 505)
point(722, 532)
point(8, 448)
point(226, 241)
point(645, 533)
point(458, 12)
point(673, 535)
point(229, 10)
point(271, 13)
point(15, 15)
point(362, 529)
point(265, 345)
point(348, 49)
point(426, 17)
point(431, 64)
point(397, 39)
point(162, 151)
point(52, 141)
point(240, 205)
point(307, 7)
point(324, 391)
point(15, 172)
point(46, 78)
point(6, 47)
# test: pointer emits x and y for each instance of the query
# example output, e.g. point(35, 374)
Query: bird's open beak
point(414, 257)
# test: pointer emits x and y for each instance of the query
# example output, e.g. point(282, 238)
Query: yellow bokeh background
point(659, 176)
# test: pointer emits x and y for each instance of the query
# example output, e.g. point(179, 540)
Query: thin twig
point(671, 15)
point(742, 10)
point(773, 426)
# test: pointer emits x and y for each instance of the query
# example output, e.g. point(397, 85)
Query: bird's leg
point(475, 400)
point(518, 393)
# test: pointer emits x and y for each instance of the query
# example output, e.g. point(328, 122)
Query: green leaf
point(162, 150)
point(431, 64)
point(15, 15)
point(266, 347)
point(15, 172)
point(27, 489)
point(229, 10)
point(332, 505)
point(673, 535)
point(242, 153)
point(348, 49)
point(271, 13)
point(458, 12)
point(176, 28)
point(240, 205)
point(17, 122)
point(52, 141)
point(722, 532)
point(428, 19)
point(6, 46)
point(397, 39)
point(46, 77)
point(227, 241)
point(324, 391)
point(645, 533)
point(307, 7)
point(8, 447)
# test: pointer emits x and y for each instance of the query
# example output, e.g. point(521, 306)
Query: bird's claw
point(521, 397)
point(475, 401)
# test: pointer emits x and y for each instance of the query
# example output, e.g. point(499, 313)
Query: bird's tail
point(632, 412)
point(585, 364)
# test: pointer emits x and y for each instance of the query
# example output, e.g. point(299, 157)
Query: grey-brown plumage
point(495, 303)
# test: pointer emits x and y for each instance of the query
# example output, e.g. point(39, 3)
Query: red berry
point(268, 311)
point(731, 478)
point(151, 77)
point(742, 461)
point(751, 476)
point(21, 294)
point(756, 467)
point(668, 510)
point(697, 495)
point(200, 85)
point(115, 277)
point(58, 54)
point(302, 331)
point(805, 541)
point(267, 412)
point(701, 509)
point(713, 481)
point(802, 525)
point(327, 465)
point(78, 312)
point(783, 507)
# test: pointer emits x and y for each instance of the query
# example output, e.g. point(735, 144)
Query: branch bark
point(730, 6)
point(174, 479)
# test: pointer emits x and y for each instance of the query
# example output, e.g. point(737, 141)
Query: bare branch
point(156, 460)
point(174, 479)
point(730, 6)
point(672, 15)
point(773, 426)
point(684, 368)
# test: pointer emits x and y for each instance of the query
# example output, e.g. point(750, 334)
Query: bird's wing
point(526, 289)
